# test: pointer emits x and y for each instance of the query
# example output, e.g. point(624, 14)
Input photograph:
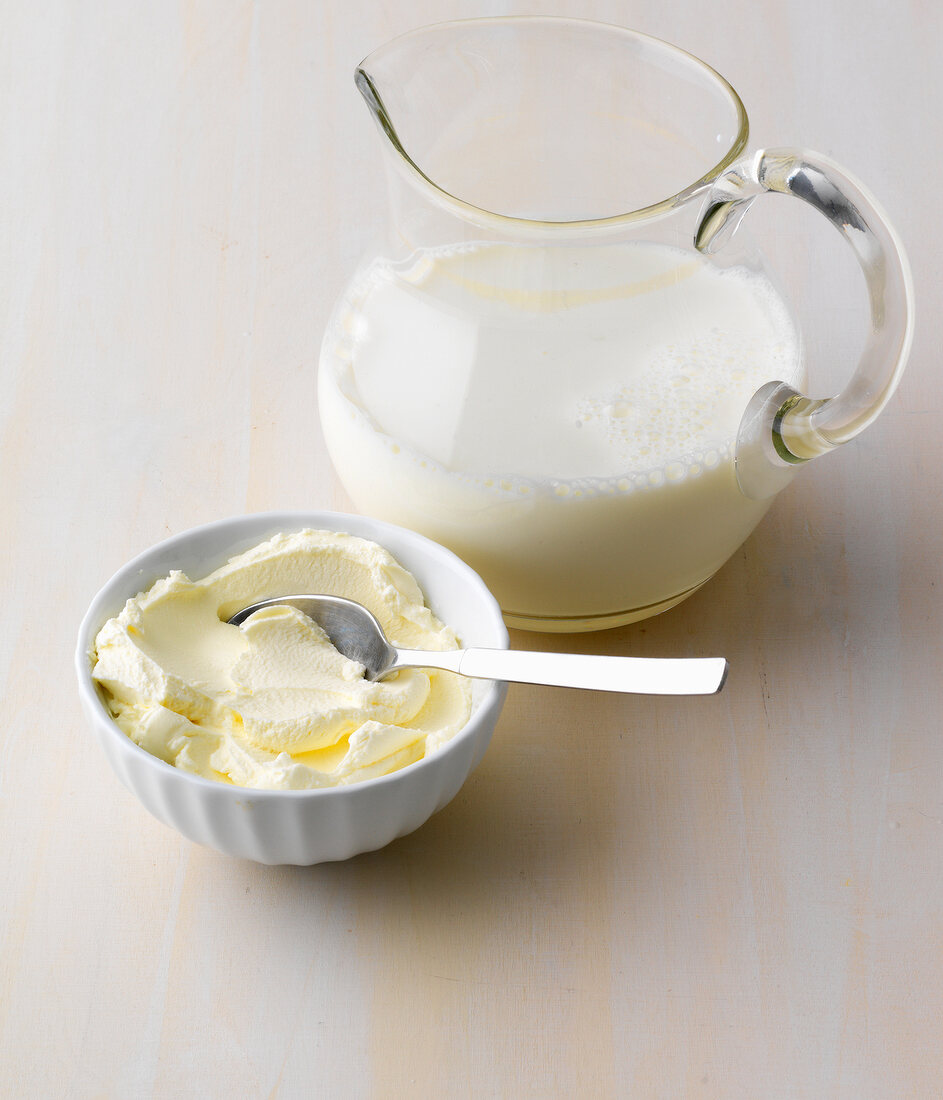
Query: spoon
point(356, 634)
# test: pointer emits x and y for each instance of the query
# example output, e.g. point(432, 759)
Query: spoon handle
point(637, 675)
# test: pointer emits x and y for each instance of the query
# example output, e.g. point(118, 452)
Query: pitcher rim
point(465, 209)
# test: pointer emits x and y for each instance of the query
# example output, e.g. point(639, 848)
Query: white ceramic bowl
point(300, 827)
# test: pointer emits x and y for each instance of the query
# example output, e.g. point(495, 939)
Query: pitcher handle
point(781, 427)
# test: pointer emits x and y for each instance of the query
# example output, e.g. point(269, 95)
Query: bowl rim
point(134, 572)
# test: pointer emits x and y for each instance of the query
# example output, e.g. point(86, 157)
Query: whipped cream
point(272, 704)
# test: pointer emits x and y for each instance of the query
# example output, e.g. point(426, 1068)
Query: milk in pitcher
point(534, 407)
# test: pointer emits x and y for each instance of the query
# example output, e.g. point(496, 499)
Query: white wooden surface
point(742, 898)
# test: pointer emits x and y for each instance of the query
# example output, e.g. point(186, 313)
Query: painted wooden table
point(734, 898)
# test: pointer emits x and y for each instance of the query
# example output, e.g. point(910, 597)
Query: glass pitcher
point(561, 362)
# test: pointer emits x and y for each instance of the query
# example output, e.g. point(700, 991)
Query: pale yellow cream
point(272, 704)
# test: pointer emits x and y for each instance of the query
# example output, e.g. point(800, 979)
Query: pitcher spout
point(534, 119)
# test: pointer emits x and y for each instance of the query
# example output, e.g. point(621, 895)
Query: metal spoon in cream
point(356, 634)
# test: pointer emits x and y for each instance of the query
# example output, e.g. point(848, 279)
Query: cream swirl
point(272, 704)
